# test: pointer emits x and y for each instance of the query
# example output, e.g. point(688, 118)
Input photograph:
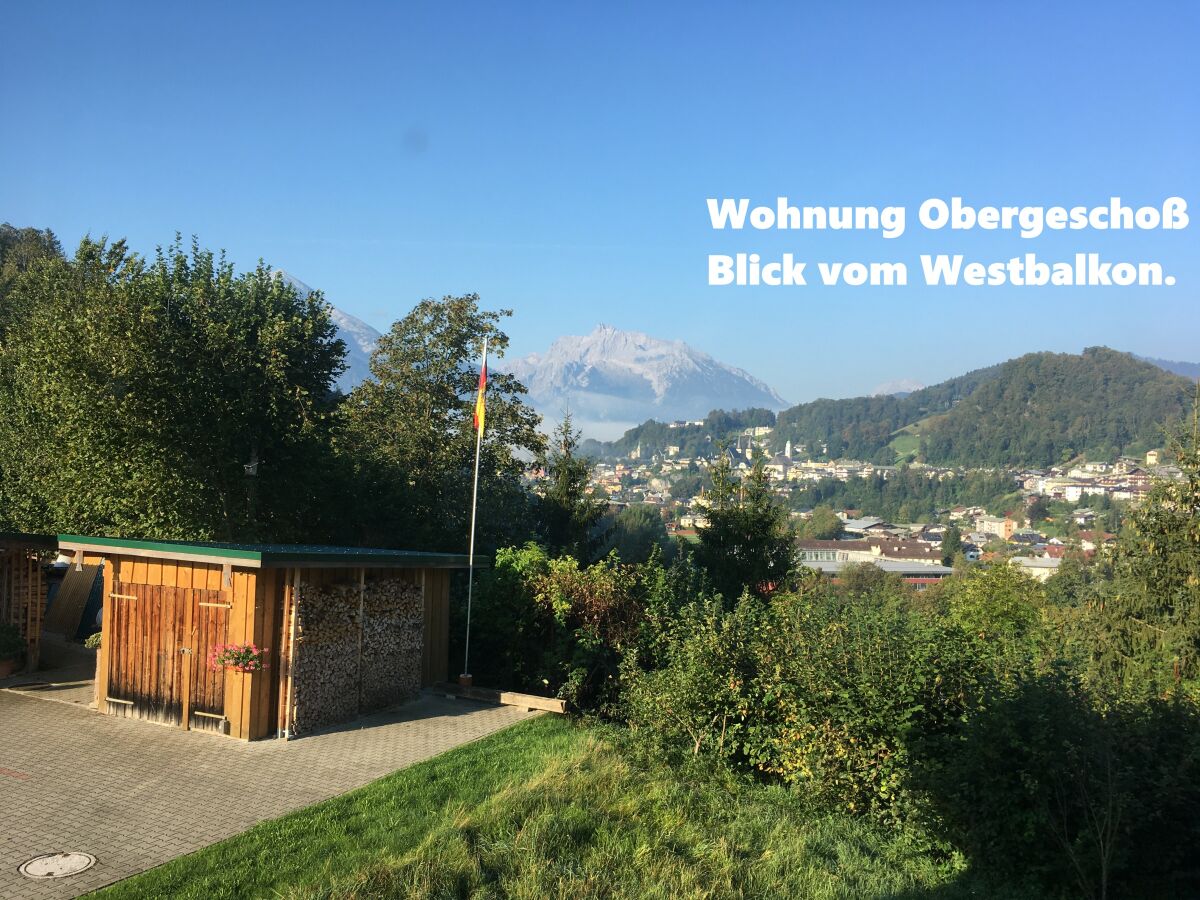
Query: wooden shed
point(342, 630)
point(23, 587)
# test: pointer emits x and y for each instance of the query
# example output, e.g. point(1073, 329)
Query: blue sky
point(556, 158)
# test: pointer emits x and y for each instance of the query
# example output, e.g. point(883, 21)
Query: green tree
point(1150, 625)
point(20, 250)
point(568, 510)
point(749, 543)
point(823, 525)
point(1038, 510)
point(1002, 606)
point(407, 436)
point(951, 545)
point(169, 398)
point(867, 583)
point(636, 531)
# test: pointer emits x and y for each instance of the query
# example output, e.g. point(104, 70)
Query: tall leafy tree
point(408, 439)
point(749, 542)
point(569, 512)
point(823, 525)
point(169, 398)
point(20, 250)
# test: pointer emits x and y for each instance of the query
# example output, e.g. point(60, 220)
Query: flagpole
point(474, 507)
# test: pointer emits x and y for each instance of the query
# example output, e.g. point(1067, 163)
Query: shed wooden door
point(158, 659)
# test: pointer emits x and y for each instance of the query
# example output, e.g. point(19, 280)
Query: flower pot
point(8, 666)
point(464, 680)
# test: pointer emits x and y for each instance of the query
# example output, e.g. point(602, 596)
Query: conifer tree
point(568, 510)
point(749, 542)
point(1150, 640)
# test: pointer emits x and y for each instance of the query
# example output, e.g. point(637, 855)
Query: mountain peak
point(612, 377)
point(359, 337)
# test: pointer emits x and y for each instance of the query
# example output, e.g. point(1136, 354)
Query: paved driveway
point(136, 795)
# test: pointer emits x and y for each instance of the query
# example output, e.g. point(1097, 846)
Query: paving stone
point(136, 795)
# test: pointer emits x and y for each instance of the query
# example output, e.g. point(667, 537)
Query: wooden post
point(426, 617)
point(288, 723)
point(189, 666)
point(106, 632)
point(284, 656)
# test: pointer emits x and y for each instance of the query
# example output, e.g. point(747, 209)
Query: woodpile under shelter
point(23, 587)
point(259, 641)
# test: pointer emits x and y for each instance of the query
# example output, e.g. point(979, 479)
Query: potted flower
point(239, 657)
point(12, 649)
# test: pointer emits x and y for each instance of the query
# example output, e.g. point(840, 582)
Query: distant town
point(1051, 513)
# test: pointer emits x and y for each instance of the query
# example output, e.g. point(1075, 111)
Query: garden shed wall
point(372, 635)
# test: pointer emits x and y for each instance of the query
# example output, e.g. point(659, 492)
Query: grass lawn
point(906, 444)
point(549, 808)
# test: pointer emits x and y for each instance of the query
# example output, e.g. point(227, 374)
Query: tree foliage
point(822, 525)
point(1038, 410)
point(164, 398)
point(1151, 622)
point(20, 250)
point(407, 436)
point(636, 533)
point(569, 512)
point(908, 495)
point(748, 543)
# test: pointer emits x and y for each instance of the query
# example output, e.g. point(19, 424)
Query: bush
point(701, 699)
point(92, 642)
point(852, 684)
point(552, 625)
point(1103, 800)
point(811, 691)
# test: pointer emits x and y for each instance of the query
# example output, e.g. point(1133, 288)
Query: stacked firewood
point(393, 631)
point(344, 666)
point(325, 662)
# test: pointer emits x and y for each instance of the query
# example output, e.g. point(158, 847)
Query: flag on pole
point(465, 678)
point(479, 401)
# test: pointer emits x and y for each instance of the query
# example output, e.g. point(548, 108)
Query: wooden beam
point(176, 556)
point(504, 698)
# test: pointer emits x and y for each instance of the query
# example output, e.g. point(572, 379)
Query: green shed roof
point(269, 556)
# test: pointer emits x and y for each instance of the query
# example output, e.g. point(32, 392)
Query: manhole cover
point(57, 865)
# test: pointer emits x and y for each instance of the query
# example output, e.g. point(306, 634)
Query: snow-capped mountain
point(360, 337)
point(901, 387)
point(611, 379)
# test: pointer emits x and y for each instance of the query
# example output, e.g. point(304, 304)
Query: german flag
point(480, 405)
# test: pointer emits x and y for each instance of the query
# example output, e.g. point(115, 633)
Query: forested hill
point(863, 427)
point(1036, 410)
point(1045, 407)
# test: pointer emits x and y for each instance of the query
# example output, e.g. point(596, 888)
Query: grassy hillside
point(552, 809)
